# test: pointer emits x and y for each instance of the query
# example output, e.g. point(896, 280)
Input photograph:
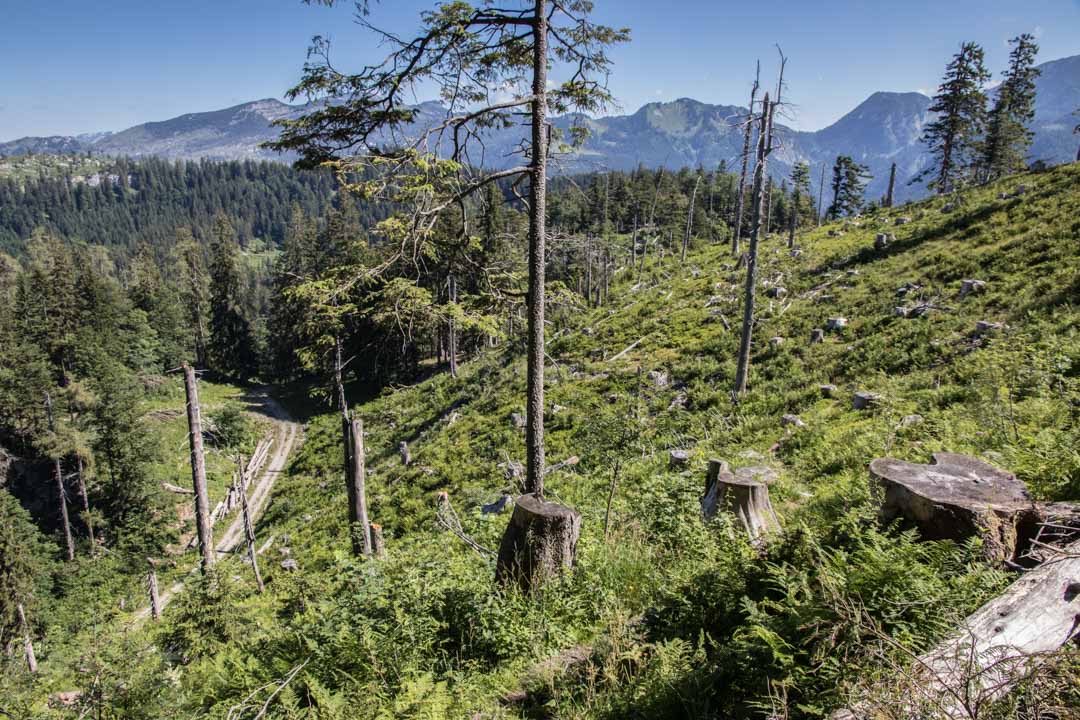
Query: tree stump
point(539, 543)
point(378, 544)
point(836, 324)
point(865, 400)
point(746, 498)
point(828, 391)
point(957, 497)
point(678, 459)
point(403, 451)
point(817, 335)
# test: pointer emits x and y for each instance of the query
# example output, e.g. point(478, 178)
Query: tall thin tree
point(1008, 135)
point(740, 198)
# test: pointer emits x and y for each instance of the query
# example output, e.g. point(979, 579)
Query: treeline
point(145, 200)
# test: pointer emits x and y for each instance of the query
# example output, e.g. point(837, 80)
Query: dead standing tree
point(198, 470)
point(58, 476)
point(765, 148)
point(469, 52)
point(740, 197)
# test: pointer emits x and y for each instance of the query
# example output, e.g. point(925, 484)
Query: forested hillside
point(665, 615)
point(121, 203)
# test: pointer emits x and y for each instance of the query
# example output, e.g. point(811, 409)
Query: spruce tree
point(954, 136)
point(800, 187)
point(848, 185)
point(1008, 136)
point(231, 347)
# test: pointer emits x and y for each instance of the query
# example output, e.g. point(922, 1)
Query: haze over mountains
point(885, 128)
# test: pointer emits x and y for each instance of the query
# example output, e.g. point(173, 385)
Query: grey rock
point(678, 459)
point(828, 391)
point(967, 287)
point(836, 323)
point(986, 327)
point(517, 421)
point(910, 420)
point(902, 221)
point(658, 378)
point(865, 400)
point(792, 420)
point(290, 565)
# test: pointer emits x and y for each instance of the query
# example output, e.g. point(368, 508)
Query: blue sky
point(70, 66)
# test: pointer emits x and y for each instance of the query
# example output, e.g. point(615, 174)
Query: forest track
point(286, 434)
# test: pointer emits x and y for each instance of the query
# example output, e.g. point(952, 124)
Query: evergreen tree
point(1008, 136)
point(848, 185)
point(231, 348)
point(800, 187)
point(954, 136)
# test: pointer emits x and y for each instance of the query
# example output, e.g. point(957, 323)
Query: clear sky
point(71, 66)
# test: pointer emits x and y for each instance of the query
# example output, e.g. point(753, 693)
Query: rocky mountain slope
point(885, 128)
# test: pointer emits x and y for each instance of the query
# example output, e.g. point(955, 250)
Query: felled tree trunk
point(956, 497)
point(744, 497)
point(1001, 643)
point(540, 542)
point(198, 470)
point(28, 644)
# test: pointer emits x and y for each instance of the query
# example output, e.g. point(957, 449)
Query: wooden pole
point(28, 644)
point(249, 529)
point(358, 509)
point(198, 470)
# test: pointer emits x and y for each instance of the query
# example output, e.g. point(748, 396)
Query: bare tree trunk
point(198, 470)
point(152, 588)
point(451, 328)
point(85, 499)
point(741, 196)
point(378, 543)
point(358, 510)
point(764, 145)
point(249, 528)
point(61, 496)
point(768, 205)
point(689, 220)
point(892, 186)
point(588, 270)
point(28, 644)
point(656, 196)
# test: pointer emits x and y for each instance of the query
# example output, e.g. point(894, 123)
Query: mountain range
point(883, 129)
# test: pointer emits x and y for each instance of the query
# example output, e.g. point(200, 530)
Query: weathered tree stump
point(539, 543)
point(378, 543)
point(828, 391)
point(836, 324)
point(957, 497)
point(403, 451)
point(678, 459)
point(967, 287)
point(28, 643)
point(746, 498)
point(865, 400)
point(817, 335)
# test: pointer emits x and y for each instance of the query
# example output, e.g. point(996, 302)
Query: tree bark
point(85, 499)
point(378, 544)
point(892, 187)
point(539, 543)
point(534, 429)
point(956, 497)
point(451, 328)
point(744, 497)
point(764, 142)
point(740, 199)
point(820, 194)
point(61, 496)
point(358, 509)
point(152, 588)
point(198, 470)
point(28, 643)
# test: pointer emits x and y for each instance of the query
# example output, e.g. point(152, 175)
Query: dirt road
point(286, 434)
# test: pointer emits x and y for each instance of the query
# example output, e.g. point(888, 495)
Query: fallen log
point(1000, 644)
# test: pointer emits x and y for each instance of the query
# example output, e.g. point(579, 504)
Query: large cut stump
point(742, 495)
point(539, 543)
point(997, 646)
point(957, 497)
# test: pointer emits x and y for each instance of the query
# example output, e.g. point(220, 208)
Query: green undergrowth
point(668, 616)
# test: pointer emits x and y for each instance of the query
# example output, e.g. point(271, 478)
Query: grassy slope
point(424, 633)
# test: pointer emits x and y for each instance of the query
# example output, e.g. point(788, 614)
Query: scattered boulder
point(836, 324)
point(776, 342)
point(883, 240)
point(957, 497)
point(290, 565)
point(910, 420)
point(827, 391)
point(865, 400)
point(817, 335)
point(517, 421)
point(902, 221)
point(792, 421)
point(678, 459)
point(776, 292)
point(967, 287)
